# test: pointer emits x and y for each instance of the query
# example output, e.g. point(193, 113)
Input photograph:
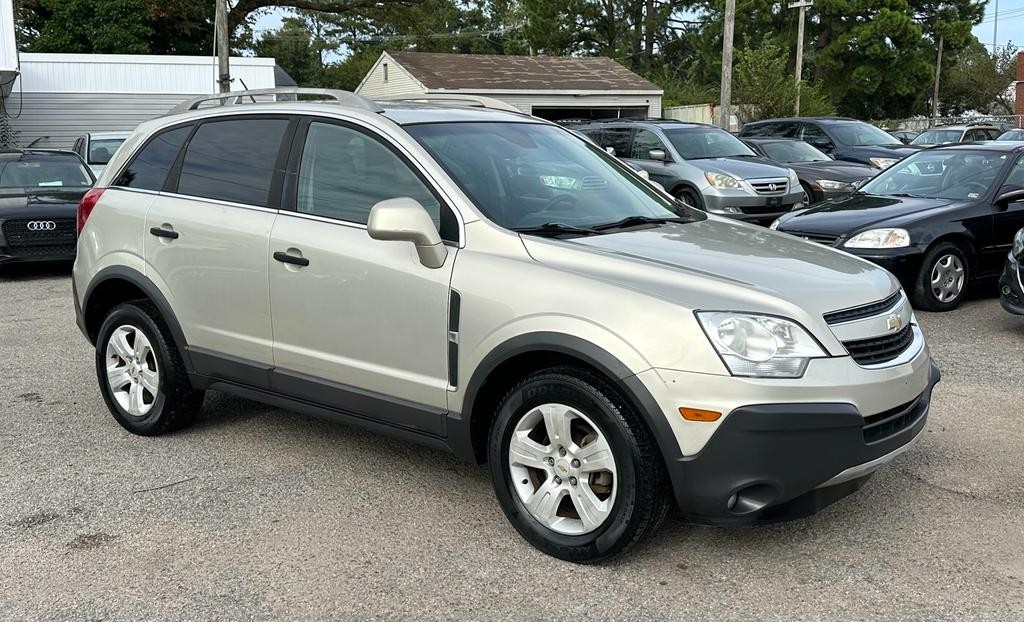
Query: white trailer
point(8, 47)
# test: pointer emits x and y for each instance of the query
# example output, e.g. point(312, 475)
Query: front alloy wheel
point(563, 469)
point(132, 373)
point(947, 279)
point(574, 466)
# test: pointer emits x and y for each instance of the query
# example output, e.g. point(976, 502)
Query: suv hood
point(836, 170)
point(32, 197)
point(857, 211)
point(884, 151)
point(722, 264)
point(741, 168)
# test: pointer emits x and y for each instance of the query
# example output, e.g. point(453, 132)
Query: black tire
point(640, 502)
point(923, 297)
point(690, 197)
point(808, 198)
point(177, 403)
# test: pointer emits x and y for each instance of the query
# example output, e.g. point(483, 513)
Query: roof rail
point(474, 101)
point(344, 98)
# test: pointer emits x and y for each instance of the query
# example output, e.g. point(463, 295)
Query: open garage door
point(568, 116)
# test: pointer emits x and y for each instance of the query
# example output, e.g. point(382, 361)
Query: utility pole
point(725, 104)
point(995, 29)
point(935, 93)
point(803, 5)
point(222, 42)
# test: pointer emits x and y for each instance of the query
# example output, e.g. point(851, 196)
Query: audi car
point(39, 194)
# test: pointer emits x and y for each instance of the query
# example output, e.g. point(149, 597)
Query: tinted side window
point(148, 169)
point(344, 172)
point(232, 160)
point(595, 135)
point(618, 139)
point(643, 142)
point(813, 134)
point(758, 130)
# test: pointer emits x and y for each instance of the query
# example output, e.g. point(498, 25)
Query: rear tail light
point(86, 206)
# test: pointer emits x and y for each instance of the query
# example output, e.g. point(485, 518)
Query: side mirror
point(1009, 194)
point(404, 219)
point(610, 150)
point(658, 154)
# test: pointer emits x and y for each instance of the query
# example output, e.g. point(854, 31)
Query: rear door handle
point(284, 257)
point(160, 232)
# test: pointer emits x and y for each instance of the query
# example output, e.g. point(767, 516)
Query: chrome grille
point(864, 311)
point(769, 186)
point(817, 238)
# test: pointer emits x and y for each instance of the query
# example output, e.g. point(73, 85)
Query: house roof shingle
point(535, 73)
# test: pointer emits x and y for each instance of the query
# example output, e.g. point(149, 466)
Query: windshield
point(1015, 135)
point(44, 172)
point(944, 174)
point(707, 142)
point(101, 150)
point(793, 151)
point(859, 134)
point(938, 137)
point(524, 175)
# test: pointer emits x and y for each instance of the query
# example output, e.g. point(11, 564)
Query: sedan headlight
point(721, 180)
point(775, 224)
point(760, 346)
point(883, 162)
point(828, 184)
point(1018, 245)
point(794, 179)
point(880, 238)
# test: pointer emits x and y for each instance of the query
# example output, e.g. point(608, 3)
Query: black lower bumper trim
point(766, 462)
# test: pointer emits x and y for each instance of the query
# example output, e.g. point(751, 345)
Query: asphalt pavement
point(261, 514)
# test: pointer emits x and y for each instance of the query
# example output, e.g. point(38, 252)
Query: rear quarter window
point(232, 160)
point(148, 169)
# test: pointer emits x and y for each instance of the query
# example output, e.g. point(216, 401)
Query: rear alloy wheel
point(575, 469)
point(942, 282)
point(140, 371)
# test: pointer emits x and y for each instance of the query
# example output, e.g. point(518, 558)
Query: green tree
point(763, 88)
point(292, 47)
point(978, 80)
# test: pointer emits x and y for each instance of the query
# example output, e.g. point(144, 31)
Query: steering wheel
point(555, 200)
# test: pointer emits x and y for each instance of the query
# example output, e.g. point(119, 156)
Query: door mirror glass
point(657, 154)
point(404, 219)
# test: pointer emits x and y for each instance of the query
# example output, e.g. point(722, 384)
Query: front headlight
point(794, 180)
point(1018, 245)
point(760, 346)
point(828, 184)
point(880, 238)
point(721, 180)
point(775, 224)
point(883, 163)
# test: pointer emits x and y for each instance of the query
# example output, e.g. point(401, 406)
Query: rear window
point(232, 160)
point(102, 149)
point(148, 170)
point(55, 171)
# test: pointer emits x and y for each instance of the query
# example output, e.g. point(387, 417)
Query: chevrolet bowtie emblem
point(894, 323)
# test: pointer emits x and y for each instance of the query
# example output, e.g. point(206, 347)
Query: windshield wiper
point(632, 221)
point(556, 228)
point(908, 195)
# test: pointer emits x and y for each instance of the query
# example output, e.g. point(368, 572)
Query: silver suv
point(484, 282)
point(703, 166)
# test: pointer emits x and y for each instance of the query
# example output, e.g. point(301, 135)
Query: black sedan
point(939, 220)
point(39, 195)
point(1011, 284)
point(821, 176)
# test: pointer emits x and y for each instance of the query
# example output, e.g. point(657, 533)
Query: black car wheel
point(808, 198)
point(942, 282)
point(574, 468)
point(690, 197)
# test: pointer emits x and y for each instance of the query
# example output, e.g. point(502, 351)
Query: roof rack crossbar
point(345, 98)
point(474, 101)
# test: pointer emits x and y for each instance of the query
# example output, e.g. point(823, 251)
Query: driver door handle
point(284, 257)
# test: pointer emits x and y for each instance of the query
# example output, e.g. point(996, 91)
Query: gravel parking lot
point(258, 513)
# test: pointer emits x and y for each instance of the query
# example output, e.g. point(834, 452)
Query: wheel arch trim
point(626, 381)
point(152, 292)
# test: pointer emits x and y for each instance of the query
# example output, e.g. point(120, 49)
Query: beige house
point(551, 87)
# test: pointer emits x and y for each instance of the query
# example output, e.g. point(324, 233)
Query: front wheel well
point(503, 377)
point(961, 240)
point(105, 297)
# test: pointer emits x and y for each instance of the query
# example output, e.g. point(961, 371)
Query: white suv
point(485, 282)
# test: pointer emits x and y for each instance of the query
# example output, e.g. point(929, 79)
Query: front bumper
point(775, 458)
point(761, 209)
point(903, 263)
point(1011, 291)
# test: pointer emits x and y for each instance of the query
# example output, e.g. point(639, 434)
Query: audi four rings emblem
point(41, 225)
